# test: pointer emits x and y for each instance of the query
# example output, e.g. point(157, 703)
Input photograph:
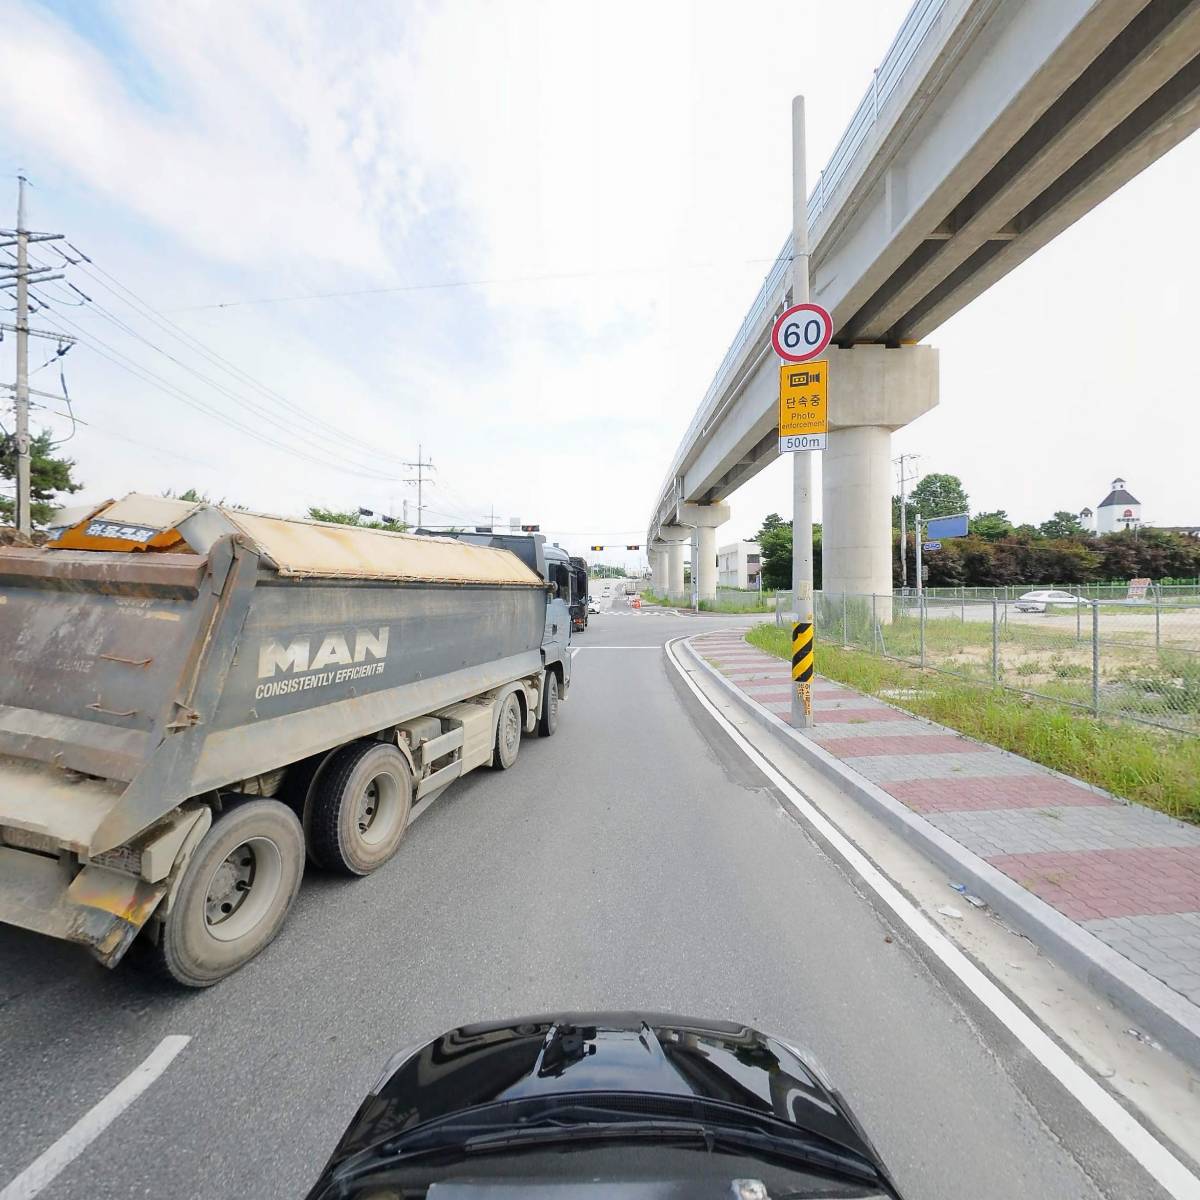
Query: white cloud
point(637, 152)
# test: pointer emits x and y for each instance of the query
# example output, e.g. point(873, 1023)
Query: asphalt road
point(633, 860)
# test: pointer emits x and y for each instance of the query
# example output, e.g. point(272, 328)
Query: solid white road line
point(577, 649)
point(1146, 1149)
point(93, 1123)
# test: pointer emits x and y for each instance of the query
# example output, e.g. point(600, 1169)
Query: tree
point(48, 475)
point(775, 543)
point(991, 526)
point(1061, 525)
point(333, 517)
point(938, 496)
point(195, 496)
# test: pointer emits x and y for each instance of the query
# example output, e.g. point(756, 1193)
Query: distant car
point(593, 606)
point(1042, 601)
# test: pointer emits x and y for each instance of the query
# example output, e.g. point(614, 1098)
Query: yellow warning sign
point(803, 398)
point(803, 406)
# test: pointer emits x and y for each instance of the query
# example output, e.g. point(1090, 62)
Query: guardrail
point(904, 48)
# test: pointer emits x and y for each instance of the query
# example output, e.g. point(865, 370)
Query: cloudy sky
point(520, 236)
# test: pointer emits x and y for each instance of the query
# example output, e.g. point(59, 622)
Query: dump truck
point(195, 700)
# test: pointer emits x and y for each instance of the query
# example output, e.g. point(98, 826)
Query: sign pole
point(920, 573)
point(803, 642)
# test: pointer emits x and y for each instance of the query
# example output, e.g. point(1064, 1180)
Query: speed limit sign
point(801, 332)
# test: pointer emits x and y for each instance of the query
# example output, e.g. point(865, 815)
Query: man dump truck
point(195, 698)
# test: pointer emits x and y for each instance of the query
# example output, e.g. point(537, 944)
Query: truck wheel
point(548, 722)
point(360, 808)
point(234, 894)
point(508, 733)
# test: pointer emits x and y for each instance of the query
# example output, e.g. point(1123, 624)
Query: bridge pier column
point(706, 561)
point(873, 391)
point(658, 569)
point(675, 571)
point(674, 539)
point(705, 519)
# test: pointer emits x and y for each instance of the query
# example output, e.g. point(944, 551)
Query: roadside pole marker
point(1145, 1149)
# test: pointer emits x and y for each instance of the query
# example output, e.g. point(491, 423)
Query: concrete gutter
point(1156, 1009)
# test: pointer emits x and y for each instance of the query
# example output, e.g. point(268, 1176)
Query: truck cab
point(579, 594)
point(556, 567)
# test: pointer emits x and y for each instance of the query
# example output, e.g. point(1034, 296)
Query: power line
point(107, 351)
point(257, 409)
point(127, 296)
point(446, 285)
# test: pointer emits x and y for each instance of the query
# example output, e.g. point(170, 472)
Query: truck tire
point(548, 722)
point(234, 894)
point(508, 733)
point(360, 808)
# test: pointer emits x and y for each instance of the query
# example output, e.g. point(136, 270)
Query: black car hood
point(581, 1053)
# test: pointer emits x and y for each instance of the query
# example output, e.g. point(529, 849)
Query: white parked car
point(1041, 601)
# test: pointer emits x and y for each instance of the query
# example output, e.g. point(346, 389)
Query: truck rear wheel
point(360, 808)
point(234, 894)
point(548, 722)
point(508, 733)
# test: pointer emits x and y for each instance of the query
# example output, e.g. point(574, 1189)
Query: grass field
point(719, 605)
point(1151, 766)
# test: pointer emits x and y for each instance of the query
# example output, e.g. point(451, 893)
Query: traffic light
point(531, 528)
point(597, 547)
point(633, 547)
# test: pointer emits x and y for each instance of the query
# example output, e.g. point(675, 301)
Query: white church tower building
point(1118, 510)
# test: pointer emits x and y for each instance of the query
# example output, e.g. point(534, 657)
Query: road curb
point(1157, 1009)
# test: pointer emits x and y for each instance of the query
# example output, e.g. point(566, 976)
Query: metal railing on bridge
point(917, 24)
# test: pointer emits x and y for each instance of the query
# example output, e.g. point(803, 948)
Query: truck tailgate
point(95, 648)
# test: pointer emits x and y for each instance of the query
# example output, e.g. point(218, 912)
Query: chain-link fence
point(745, 600)
point(1136, 660)
point(1184, 591)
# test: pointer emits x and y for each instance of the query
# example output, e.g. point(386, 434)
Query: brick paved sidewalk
point(1125, 873)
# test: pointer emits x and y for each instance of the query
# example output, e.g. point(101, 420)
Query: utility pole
point(22, 277)
point(904, 517)
point(802, 517)
point(420, 466)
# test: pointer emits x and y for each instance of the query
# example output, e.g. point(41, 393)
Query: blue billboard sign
point(946, 527)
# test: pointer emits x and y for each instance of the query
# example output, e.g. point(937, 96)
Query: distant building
point(738, 565)
point(1118, 510)
point(1087, 519)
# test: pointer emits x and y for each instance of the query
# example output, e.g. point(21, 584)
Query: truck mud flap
point(100, 908)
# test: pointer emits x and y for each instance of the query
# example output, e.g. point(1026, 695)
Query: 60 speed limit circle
point(801, 332)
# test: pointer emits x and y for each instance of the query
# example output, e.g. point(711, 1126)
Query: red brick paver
point(1007, 791)
point(867, 711)
point(1142, 898)
point(1110, 883)
point(933, 743)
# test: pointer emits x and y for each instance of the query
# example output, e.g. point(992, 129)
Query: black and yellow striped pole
point(802, 665)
